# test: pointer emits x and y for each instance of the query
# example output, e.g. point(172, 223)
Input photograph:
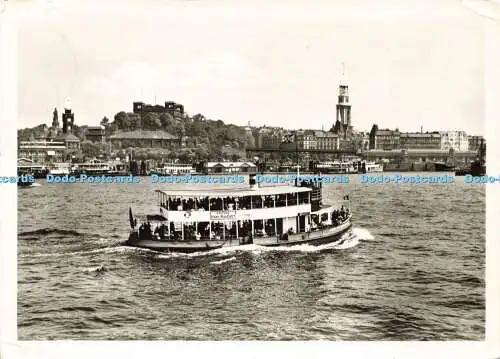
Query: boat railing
point(233, 207)
point(177, 237)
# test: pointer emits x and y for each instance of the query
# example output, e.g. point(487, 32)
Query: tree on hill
point(166, 120)
point(90, 149)
point(151, 121)
point(122, 121)
point(104, 122)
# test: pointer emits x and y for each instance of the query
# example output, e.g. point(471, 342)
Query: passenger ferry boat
point(368, 167)
point(28, 167)
point(91, 168)
point(336, 167)
point(174, 169)
point(201, 220)
point(60, 169)
point(374, 167)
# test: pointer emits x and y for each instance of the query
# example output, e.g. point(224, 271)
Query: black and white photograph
point(251, 171)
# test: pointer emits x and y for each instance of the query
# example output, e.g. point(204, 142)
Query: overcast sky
point(409, 63)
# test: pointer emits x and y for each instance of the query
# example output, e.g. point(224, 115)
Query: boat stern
point(133, 238)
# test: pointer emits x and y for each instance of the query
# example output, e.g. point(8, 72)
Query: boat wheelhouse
point(195, 220)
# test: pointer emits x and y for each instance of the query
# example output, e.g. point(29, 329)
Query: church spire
point(342, 125)
point(55, 119)
point(343, 80)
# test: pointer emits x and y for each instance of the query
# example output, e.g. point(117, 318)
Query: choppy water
point(412, 268)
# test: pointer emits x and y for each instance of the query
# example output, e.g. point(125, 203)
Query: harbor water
point(411, 268)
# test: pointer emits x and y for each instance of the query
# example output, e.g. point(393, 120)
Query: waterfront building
point(458, 140)
point(272, 138)
point(388, 140)
point(364, 141)
point(71, 142)
point(306, 141)
point(419, 155)
point(144, 139)
point(327, 141)
point(42, 151)
point(95, 134)
point(384, 139)
point(229, 167)
point(474, 142)
point(271, 141)
point(420, 140)
point(260, 134)
point(268, 137)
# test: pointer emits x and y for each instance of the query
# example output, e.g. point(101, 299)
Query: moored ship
point(173, 169)
point(368, 167)
point(443, 167)
point(201, 220)
point(91, 168)
point(60, 169)
point(477, 167)
point(336, 167)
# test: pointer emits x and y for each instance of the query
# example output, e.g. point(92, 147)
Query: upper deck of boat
point(235, 191)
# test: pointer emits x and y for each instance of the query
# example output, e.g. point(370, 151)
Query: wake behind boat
point(199, 220)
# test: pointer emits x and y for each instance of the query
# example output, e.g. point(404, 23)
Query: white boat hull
point(317, 237)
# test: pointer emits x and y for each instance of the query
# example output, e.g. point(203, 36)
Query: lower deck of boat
point(316, 237)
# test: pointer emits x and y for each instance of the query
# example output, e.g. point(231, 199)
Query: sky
point(408, 63)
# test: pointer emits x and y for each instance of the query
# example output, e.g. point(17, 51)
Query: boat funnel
point(253, 181)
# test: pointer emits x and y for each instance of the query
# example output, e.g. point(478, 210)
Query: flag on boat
point(131, 218)
point(346, 197)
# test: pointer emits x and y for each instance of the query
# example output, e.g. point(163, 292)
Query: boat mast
point(209, 220)
point(182, 222)
point(297, 159)
point(223, 223)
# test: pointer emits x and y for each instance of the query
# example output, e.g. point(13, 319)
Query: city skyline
point(422, 71)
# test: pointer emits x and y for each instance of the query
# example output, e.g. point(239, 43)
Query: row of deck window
point(233, 203)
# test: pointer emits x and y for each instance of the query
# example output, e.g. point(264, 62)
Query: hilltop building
point(248, 129)
point(174, 109)
point(68, 119)
point(95, 134)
